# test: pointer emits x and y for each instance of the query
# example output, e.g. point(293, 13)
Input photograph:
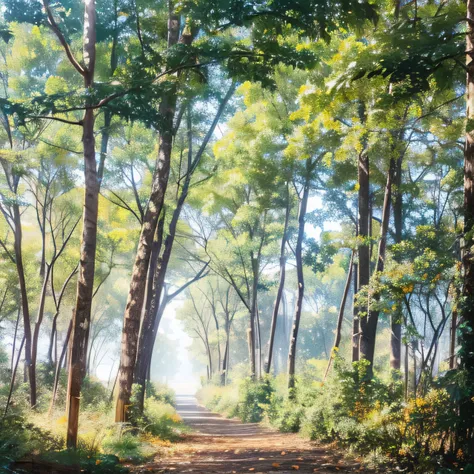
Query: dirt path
point(220, 445)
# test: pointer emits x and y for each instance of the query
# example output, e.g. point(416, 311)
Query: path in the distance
point(220, 445)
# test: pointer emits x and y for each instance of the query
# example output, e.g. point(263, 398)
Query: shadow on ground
point(220, 445)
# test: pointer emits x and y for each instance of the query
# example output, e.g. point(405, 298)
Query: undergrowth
point(103, 445)
point(367, 416)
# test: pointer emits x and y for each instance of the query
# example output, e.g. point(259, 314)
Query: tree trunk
point(366, 340)
point(14, 339)
point(340, 318)
point(225, 360)
point(355, 316)
point(136, 295)
point(369, 333)
point(85, 282)
point(252, 319)
point(466, 336)
point(300, 276)
point(24, 303)
point(52, 337)
point(59, 364)
point(39, 320)
point(452, 339)
point(258, 340)
point(159, 268)
point(12, 383)
point(146, 346)
point(281, 285)
point(395, 318)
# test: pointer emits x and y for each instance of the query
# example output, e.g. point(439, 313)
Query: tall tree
point(136, 295)
point(303, 197)
point(467, 333)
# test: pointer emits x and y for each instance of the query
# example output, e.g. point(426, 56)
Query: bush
point(254, 399)
point(18, 438)
point(285, 415)
point(88, 464)
point(161, 393)
point(221, 399)
point(126, 446)
point(93, 394)
point(159, 418)
point(249, 401)
point(352, 409)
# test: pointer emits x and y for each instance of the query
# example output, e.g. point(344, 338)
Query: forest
point(221, 217)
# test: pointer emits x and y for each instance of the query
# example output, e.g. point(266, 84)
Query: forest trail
point(219, 445)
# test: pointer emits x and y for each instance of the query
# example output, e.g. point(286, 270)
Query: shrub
point(249, 401)
point(285, 415)
point(96, 464)
point(18, 438)
point(161, 393)
point(162, 420)
point(93, 393)
point(254, 398)
point(126, 446)
point(221, 399)
point(158, 418)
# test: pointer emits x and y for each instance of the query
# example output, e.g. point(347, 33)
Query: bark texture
point(466, 428)
point(281, 286)
point(370, 328)
point(340, 318)
point(85, 282)
point(300, 278)
point(363, 278)
point(136, 295)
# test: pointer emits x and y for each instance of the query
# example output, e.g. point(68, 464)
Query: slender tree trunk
point(366, 341)
point(111, 398)
point(452, 339)
point(407, 369)
point(158, 267)
point(340, 318)
point(59, 364)
point(39, 320)
point(369, 333)
point(252, 320)
point(355, 316)
point(258, 340)
point(281, 285)
point(85, 282)
point(300, 276)
point(52, 338)
point(146, 345)
point(136, 295)
point(395, 318)
point(12, 383)
point(225, 361)
point(14, 339)
point(24, 303)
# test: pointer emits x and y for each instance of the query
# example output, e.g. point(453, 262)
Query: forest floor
point(219, 445)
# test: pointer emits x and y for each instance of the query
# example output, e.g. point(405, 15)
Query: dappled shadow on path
point(220, 445)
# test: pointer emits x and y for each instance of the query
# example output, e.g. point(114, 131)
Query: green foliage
point(249, 402)
point(94, 394)
point(159, 418)
point(125, 446)
point(254, 396)
point(88, 462)
point(18, 437)
point(285, 415)
point(161, 393)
